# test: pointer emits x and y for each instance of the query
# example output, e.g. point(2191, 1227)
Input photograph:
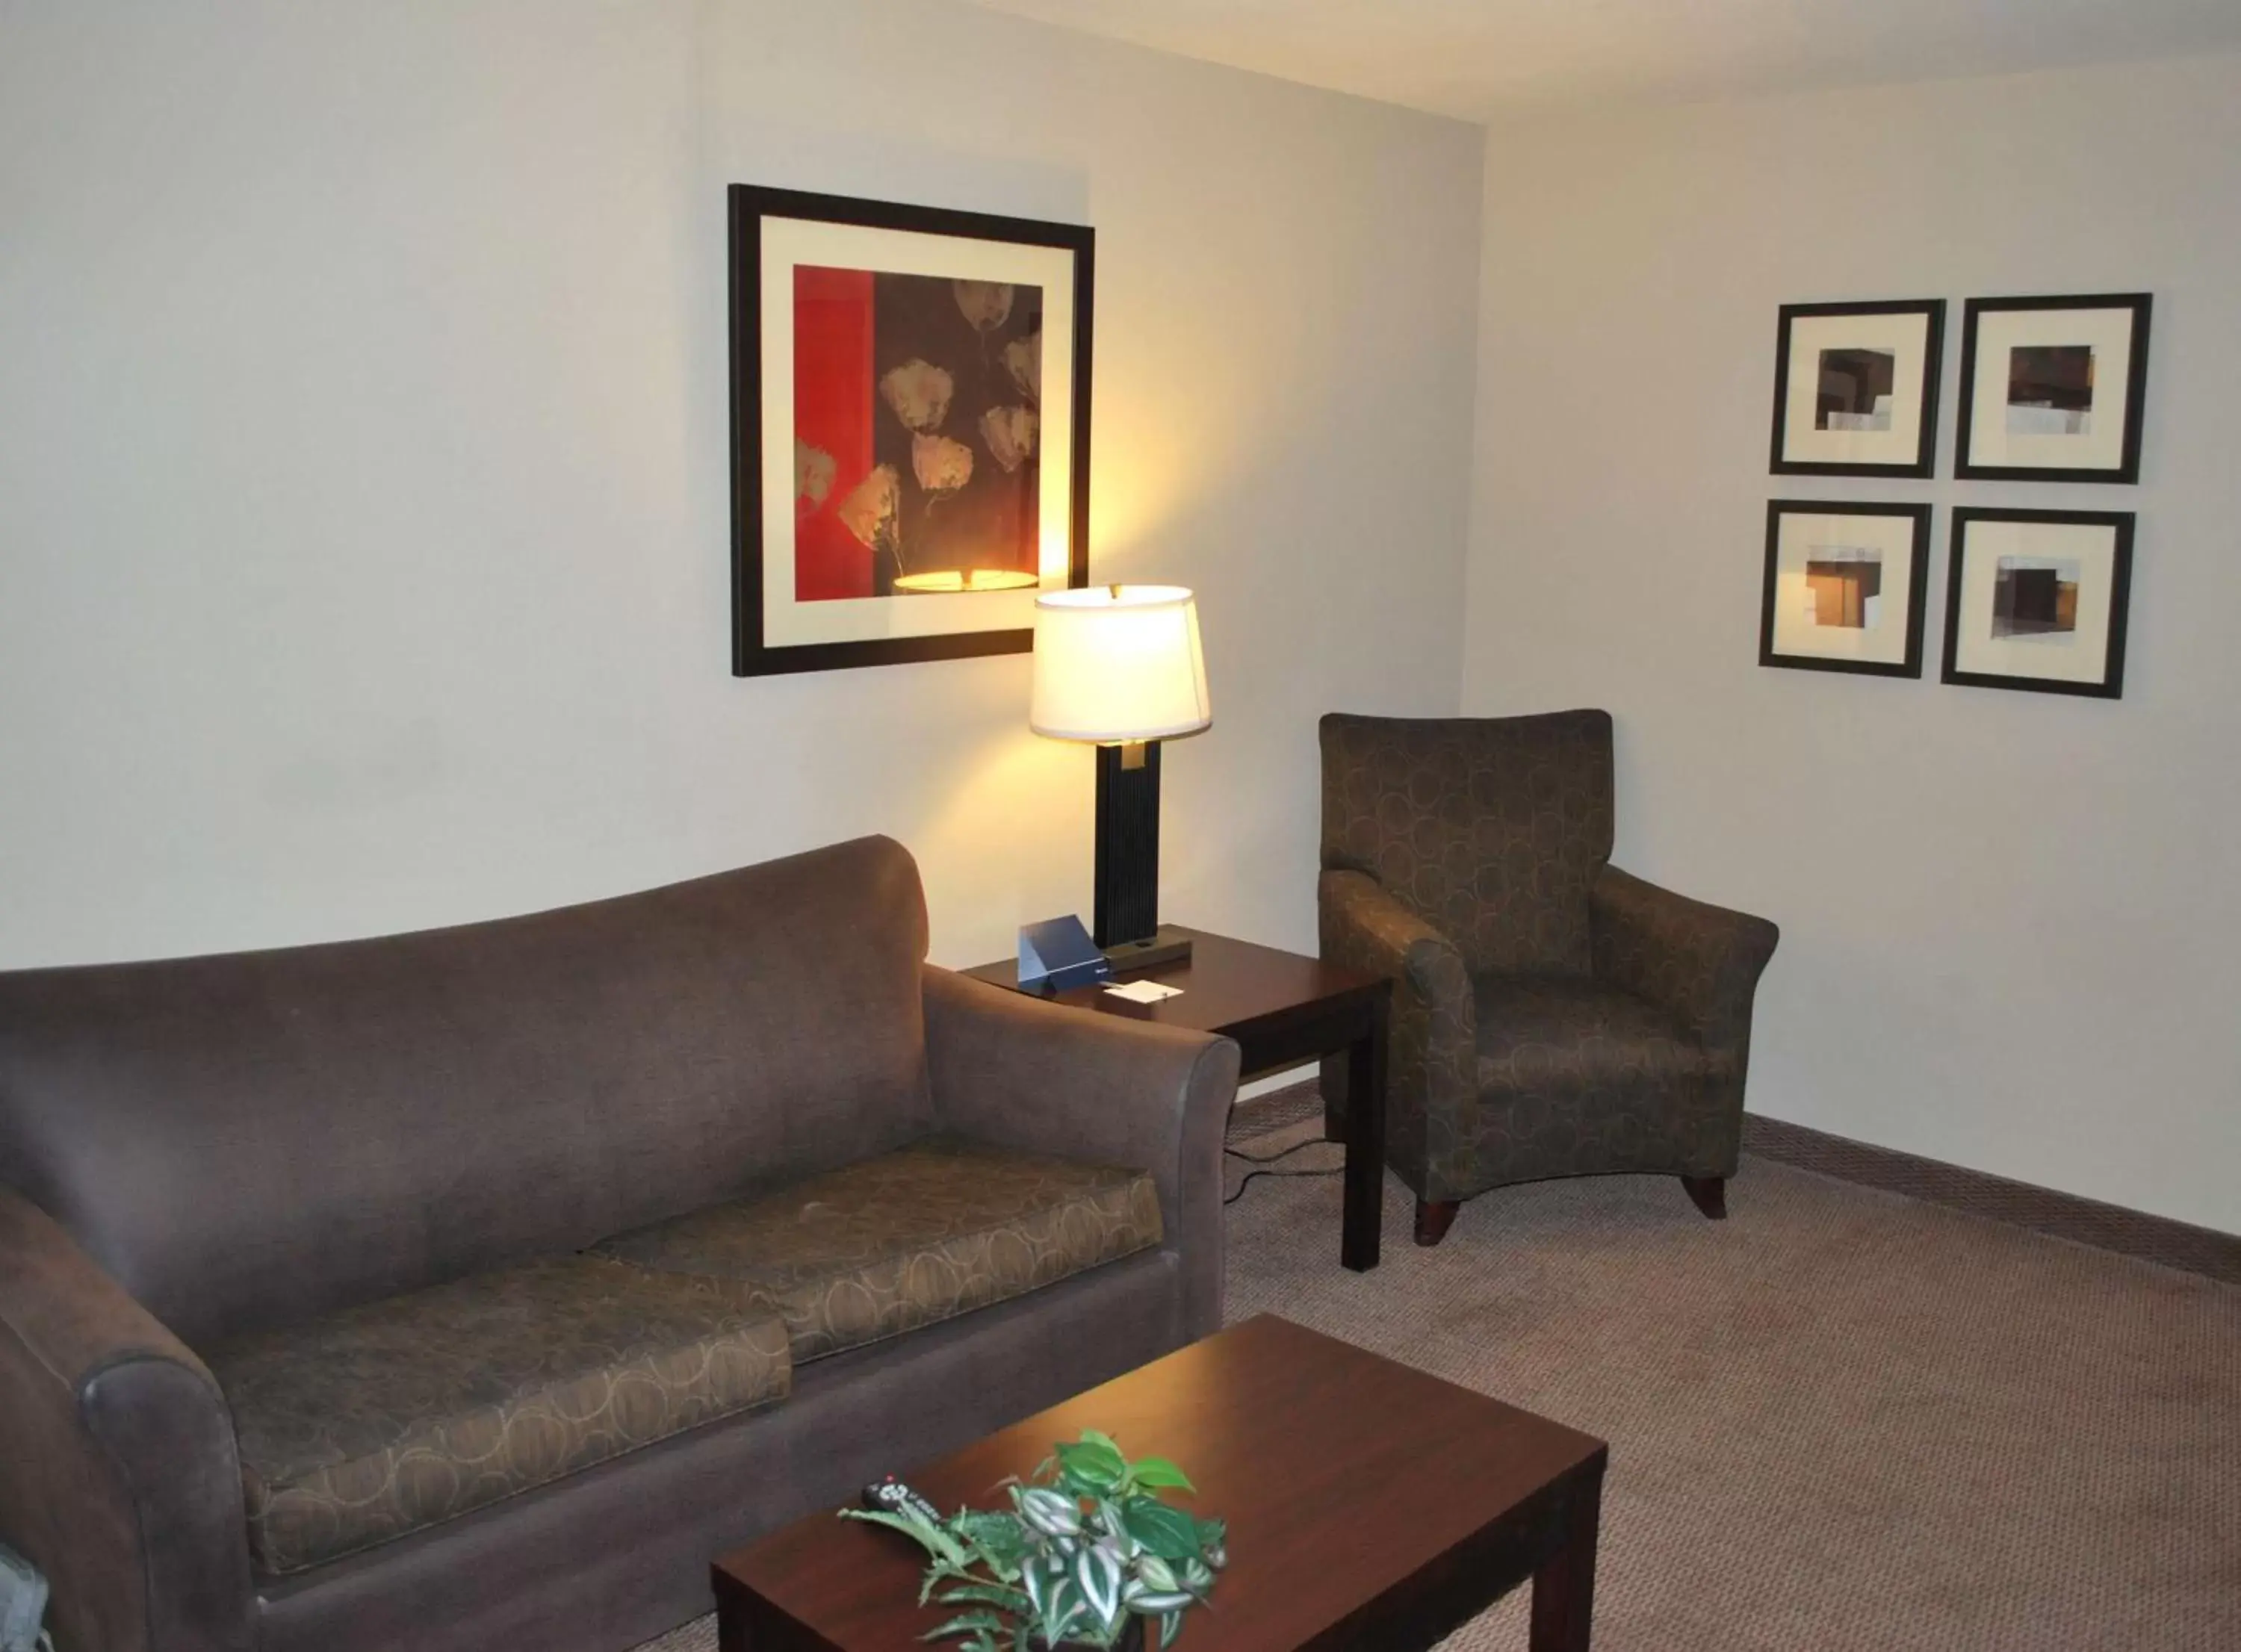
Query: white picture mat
point(2085, 657)
point(789, 242)
point(1906, 335)
point(1998, 332)
point(1800, 536)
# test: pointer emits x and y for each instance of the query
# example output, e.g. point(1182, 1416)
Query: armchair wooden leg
point(1709, 1195)
point(1433, 1217)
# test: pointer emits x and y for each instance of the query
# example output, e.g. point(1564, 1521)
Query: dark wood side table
point(1372, 1508)
point(1282, 1009)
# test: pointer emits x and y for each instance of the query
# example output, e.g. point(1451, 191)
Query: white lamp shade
point(1117, 663)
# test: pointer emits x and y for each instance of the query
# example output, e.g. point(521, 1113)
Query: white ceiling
point(1479, 58)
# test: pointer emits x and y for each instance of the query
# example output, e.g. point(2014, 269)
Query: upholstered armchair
point(1552, 1015)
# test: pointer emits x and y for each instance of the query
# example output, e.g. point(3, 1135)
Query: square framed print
point(2052, 388)
point(910, 429)
point(1844, 586)
point(1855, 388)
point(2036, 599)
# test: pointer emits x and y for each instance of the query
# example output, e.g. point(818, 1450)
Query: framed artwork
point(2052, 388)
point(1855, 388)
point(1844, 586)
point(910, 429)
point(2036, 599)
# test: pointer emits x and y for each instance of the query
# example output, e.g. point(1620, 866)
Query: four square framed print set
point(2052, 388)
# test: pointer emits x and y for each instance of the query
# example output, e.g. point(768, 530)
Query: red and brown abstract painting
point(917, 417)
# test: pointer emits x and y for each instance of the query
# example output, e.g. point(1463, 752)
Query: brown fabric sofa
point(1552, 1015)
point(476, 1287)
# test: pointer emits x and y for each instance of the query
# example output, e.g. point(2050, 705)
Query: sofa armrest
point(123, 1483)
point(1700, 962)
point(1045, 1078)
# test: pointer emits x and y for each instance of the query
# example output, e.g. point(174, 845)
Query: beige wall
point(363, 518)
point(363, 491)
point(2009, 919)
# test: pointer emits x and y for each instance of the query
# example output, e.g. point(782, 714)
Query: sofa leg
point(1433, 1217)
point(1709, 1193)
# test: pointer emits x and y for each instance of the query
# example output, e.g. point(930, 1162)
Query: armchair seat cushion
point(1576, 1077)
point(365, 1425)
point(878, 1248)
point(1543, 1036)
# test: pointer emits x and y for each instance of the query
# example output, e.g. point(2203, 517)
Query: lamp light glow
point(943, 581)
point(1118, 664)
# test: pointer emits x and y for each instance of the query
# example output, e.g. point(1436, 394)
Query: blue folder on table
point(1058, 953)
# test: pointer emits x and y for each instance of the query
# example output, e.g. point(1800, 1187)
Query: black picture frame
point(2127, 471)
point(2111, 683)
point(1917, 584)
point(748, 205)
point(1924, 465)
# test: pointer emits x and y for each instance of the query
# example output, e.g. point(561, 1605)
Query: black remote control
point(890, 1496)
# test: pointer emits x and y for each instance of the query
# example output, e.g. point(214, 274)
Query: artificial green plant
point(1088, 1546)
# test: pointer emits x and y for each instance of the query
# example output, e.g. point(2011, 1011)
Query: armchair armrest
point(1365, 928)
point(1016, 1071)
point(1700, 962)
point(123, 1483)
point(1431, 1041)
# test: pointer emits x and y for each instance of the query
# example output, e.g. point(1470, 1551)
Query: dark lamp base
point(1167, 945)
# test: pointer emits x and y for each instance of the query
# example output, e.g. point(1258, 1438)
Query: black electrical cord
point(1251, 1176)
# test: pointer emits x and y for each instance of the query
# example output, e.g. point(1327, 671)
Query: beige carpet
point(1839, 1420)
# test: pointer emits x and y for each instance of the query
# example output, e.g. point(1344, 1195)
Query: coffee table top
point(1343, 1477)
point(1228, 985)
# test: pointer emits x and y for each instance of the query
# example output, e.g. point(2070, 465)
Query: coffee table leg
point(731, 1625)
point(1364, 1217)
point(1564, 1588)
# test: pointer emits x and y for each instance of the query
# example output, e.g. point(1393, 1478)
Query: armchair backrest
point(1490, 829)
point(254, 1138)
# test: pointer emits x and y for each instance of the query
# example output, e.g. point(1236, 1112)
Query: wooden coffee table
point(1369, 1506)
point(1284, 1008)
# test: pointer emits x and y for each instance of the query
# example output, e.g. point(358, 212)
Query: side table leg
point(731, 1627)
point(1364, 1218)
point(1564, 1588)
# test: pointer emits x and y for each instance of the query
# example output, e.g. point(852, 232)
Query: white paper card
point(1144, 992)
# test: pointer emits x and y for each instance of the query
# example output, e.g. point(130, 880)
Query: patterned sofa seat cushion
point(375, 1422)
point(888, 1245)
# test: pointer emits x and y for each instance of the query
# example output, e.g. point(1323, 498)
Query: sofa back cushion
point(1491, 829)
point(248, 1140)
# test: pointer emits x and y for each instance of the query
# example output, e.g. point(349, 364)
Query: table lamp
point(1120, 665)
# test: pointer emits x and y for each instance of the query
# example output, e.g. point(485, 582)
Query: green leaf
point(1158, 1472)
point(1171, 1625)
point(1011, 1599)
point(1157, 1575)
point(1157, 1605)
point(1060, 1607)
point(931, 1537)
point(997, 1542)
point(1097, 1574)
point(1096, 1463)
point(1168, 1533)
point(965, 1624)
point(1051, 1513)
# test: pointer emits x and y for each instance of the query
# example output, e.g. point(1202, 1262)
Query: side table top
point(1226, 984)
